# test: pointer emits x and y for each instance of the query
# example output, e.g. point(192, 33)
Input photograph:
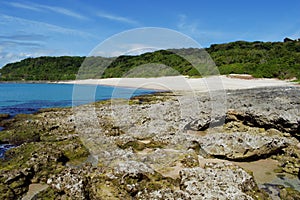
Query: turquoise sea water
point(16, 98)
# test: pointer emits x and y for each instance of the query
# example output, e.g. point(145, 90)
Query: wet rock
point(280, 192)
point(289, 194)
point(289, 160)
point(4, 116)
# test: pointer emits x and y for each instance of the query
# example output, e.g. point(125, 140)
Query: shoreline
point(183, 83)
point(25, 82)
point(177, 83)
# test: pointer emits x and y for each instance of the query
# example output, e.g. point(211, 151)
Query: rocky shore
point(235, 144)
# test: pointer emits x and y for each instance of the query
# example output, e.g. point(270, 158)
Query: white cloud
point(116, 18)
point(20, 36)
point(23, 6)
point(34, 38)
point(204, 36)
point(19, 43)
point(43, 25)
point(187, 26)
point(41, 8)
point(123, 49)
point(293, 34)
point(9, 57)
point(63, 11)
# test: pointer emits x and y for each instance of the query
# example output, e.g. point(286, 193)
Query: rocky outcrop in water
point(4, 116)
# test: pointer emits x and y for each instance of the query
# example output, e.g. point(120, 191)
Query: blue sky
point(74, 27)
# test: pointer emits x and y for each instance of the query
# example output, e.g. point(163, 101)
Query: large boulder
point(217, 181)
point(268, 107)
point(214, 181)
point(241, 145)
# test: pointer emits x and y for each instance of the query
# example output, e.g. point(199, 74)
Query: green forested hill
point(122, 64)
point(42, 68)
point(66, 68)
point(260, 59)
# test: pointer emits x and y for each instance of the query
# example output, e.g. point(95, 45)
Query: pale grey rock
point(164, 194)
point(239, 146)
point(214, 181)
point(71, 181)
point(132, 168)
point(268, 107)
point(217, 181)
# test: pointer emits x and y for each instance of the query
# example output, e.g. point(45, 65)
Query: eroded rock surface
point(214, 181)
point(149, 147)
point(217, 180)
point(242, 145)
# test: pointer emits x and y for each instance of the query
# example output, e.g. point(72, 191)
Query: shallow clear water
point(16, 98)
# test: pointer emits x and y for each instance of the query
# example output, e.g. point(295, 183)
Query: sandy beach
point(182, 83)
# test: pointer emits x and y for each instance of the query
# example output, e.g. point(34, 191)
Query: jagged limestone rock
point(146, 140)
point(241, 146)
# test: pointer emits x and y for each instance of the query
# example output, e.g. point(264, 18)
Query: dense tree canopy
point(42, 68)
point(260, 59)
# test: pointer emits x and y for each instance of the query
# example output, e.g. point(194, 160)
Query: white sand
point(181, 83)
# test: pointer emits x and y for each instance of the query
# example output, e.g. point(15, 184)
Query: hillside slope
point(260, 59)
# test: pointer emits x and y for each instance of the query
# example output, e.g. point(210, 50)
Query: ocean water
point(16, 98)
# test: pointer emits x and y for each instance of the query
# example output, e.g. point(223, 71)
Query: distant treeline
point(260, 59)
